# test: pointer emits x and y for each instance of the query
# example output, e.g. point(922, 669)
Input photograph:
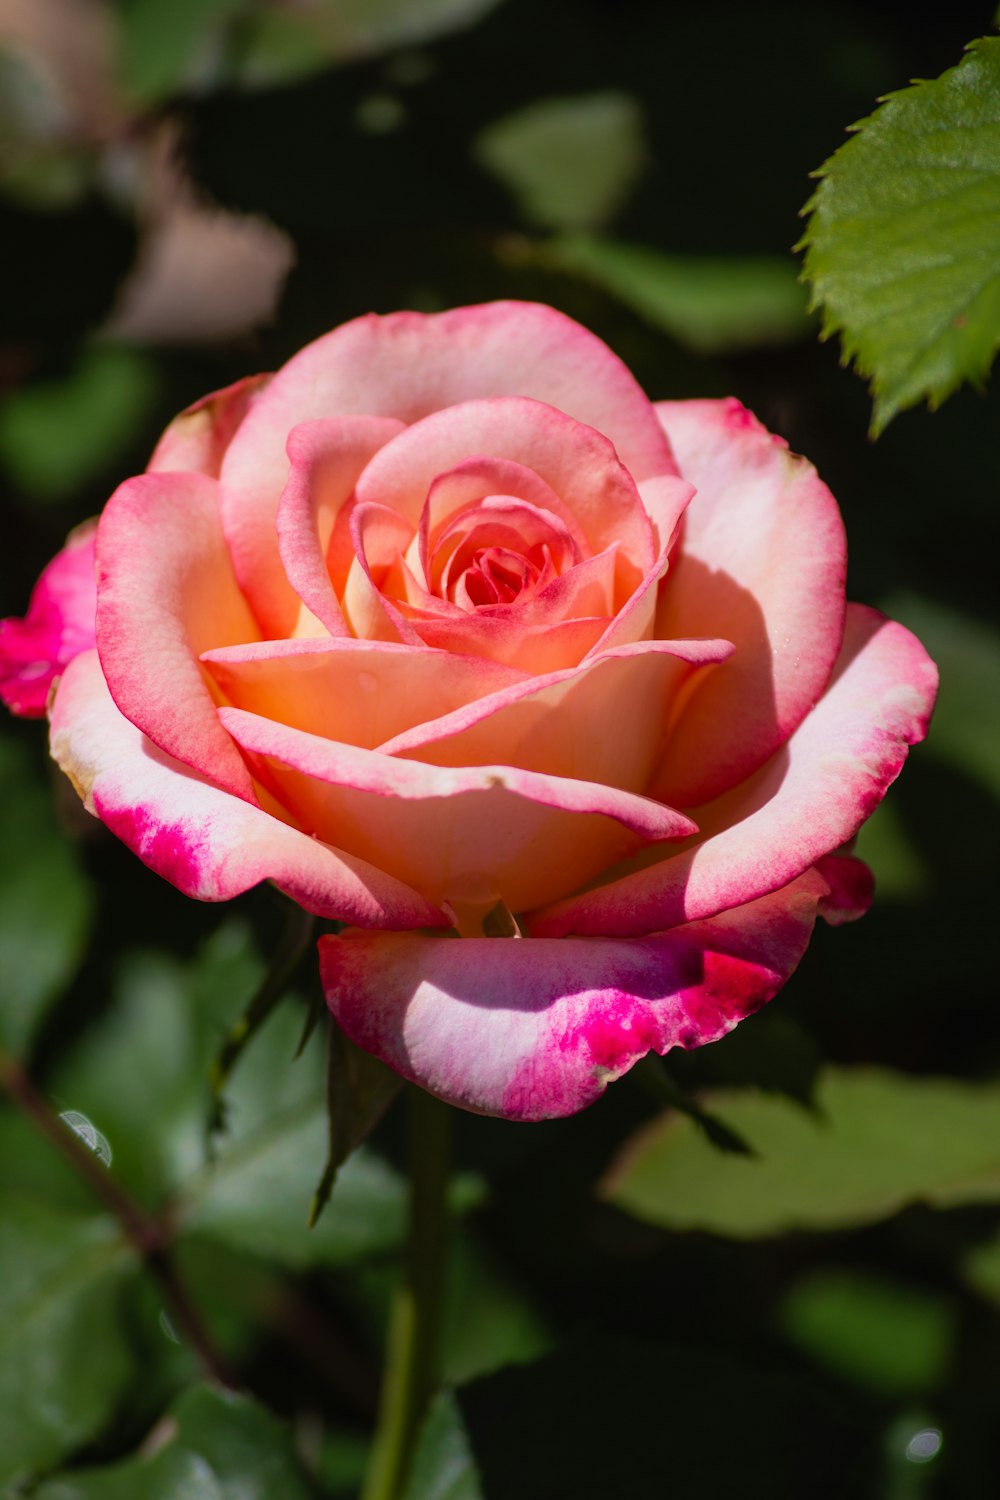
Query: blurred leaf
point(488, 1322)
point(888, 1337)
point(279, 44)
point(980, 1269)
point(902, 249)
point(39, 164)
point(965, 730)
point(612, 1417)
point(57, 436)
point(64, 1358)
point(876, 1142)
point(710, 303)
point(443, 1466)
point(569, 163)
point(221, 1447)
point(45, 902)
point(897, 864)
point(167, 44)
point(257, 1197)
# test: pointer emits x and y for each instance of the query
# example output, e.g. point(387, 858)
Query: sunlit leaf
point(965, 730)
point(45, 901)
point(711, 303)
point(221, 1447)
point(902, 249)
point(887, 1336)
point(875, 1142)
point(58, 435)
point(64, 1356)
point(569, 163)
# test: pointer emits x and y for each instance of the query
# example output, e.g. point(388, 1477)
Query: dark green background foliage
point(631, 1311)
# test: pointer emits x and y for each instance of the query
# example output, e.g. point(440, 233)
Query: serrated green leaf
point(711, 303)
point(569, 163)
point(64, 1355)
point(224, 1447)
point(58, 435)
point(876, 1142)
point(45, 902)
point(902, 246)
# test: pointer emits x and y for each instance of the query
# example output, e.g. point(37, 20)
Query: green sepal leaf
point(902, 250)
point(64, 1354)
point(359, 1089)
point(223, 1447)
point(875, 1142)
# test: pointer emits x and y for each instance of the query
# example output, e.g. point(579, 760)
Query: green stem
point(415, 1317)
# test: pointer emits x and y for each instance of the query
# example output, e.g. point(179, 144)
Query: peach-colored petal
point(601, 722)
point(408, 365)
point(166, 593)
point(578, 464)
point(361, 692)
point(762, 562)
point(461, 835)
point(197, 439)
point(326, 458)
point(209, 844)
point(805, 803)
point(533, 1028)
point(59, 625)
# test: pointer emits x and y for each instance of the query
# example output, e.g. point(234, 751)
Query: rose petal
point(406, 366)
point(763, 563)
point(361, 692)
point(166, 593)
point(600, 722)
point(462, 835)
point(197, 439)
point(209, 844)
point(805, 803)
point(58, 625)
point(326, 458)
point(534, 1028)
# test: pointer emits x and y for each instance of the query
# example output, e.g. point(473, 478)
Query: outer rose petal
point(408, 365)
point(533, 1028)
point(209, 844)
point(197, 439)
point(762, 562)
point(166, 592)
point(59, 624)
point(805, 803)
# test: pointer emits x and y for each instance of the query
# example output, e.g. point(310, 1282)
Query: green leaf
point(569, 163)
point(222, 1447)
point(444, 1467)
point(167, 44)
point(64, 1356)
point(980, 1269)
point(965, 730)
point(902, 248)
point(487, 1322)
point(359, 1089)
point(45, 901)
point(278, 45)
point(889, 1337)
point(712, 303)
point(901, 873)
point(876, 1142)
point(58, 435)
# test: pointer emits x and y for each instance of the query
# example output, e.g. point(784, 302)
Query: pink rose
point(445, 627)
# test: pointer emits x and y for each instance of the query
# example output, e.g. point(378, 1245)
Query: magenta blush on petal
point(59, 625)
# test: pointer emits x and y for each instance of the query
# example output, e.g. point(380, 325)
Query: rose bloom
point(550, 694)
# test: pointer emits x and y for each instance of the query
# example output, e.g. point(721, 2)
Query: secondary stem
point(149, 1236)
point(415, 1317)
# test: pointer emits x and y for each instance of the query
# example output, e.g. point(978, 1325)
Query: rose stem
point(149, 1236)
point(415, 1315)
